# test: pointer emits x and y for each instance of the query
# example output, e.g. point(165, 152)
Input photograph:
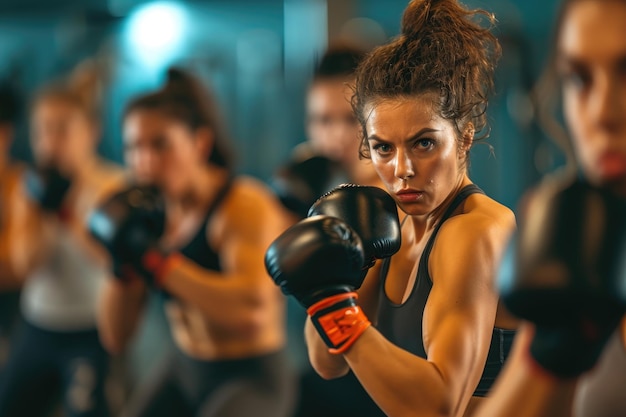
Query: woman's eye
point(424, 143)
point(159, 144)
point(576, 79)
point(382, 148)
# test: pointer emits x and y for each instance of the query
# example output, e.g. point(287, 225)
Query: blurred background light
point(155, 33)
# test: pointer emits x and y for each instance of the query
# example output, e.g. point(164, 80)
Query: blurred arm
point(9, 226)
point(524, 387)
point(119, 312)
point(28, 237)
point(237, 296)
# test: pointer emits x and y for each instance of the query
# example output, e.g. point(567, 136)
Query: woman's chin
point(414, 209)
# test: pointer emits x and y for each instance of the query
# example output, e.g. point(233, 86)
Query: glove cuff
point(160, 265)
point(64, 214)
point(339, 321)
point(125, 273)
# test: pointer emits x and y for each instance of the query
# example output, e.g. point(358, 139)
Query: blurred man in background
point(329, 157)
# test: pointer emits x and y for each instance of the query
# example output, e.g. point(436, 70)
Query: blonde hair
point(83, 88)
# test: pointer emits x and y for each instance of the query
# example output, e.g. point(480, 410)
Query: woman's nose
point(404, 168)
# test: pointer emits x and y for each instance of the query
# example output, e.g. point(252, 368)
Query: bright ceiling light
point(155, 31)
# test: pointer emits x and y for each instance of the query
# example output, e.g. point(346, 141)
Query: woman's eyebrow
point(416, 135)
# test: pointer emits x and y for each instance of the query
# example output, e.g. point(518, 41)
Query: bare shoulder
point(12, 177)
point(108, 177)
point(248, 193)
point(470, 244)
point(251, 205)
point(482, 220)
point(109, 169)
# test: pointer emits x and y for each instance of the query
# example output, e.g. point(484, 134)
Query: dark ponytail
point(443, 49)
point(187, 100)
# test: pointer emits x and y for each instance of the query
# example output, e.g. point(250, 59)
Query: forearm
point(119, 312)
point(232, 300)
point(528, 390)
point(31, 244)
point(9, 279)
point(327, 365)
point(402, 384)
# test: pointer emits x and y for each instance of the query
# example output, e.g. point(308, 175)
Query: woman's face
point(161, 151)
point(332, 128)
point(61, 134)
point(415, 152)
point(591, 62)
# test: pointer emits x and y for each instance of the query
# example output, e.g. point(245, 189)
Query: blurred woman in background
point(56, 353)
point(226, 317)
point(569, 358)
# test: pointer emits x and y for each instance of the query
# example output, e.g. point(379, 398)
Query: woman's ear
point(467, 139)
point(204, 140)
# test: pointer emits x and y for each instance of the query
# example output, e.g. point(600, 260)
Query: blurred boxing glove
point(370, 211)
point(319, 261)
point(46, 186)
point(568, 274)
point(301, 182)
point(129, 225)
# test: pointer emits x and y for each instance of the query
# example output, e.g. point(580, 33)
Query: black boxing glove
point(46, 186)
point(319, 261)
point(299, 183)
point(316, 257)
point(571, 348)
point(370, 211)
point(567, 274)
point(129, 225)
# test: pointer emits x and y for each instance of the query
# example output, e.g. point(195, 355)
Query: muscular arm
point(457, 327)
point(237, 296)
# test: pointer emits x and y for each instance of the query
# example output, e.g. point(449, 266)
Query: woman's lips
point(409, 196)
point(612, 165)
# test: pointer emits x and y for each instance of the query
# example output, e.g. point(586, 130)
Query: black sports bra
point(402, 323)
point(198, 249)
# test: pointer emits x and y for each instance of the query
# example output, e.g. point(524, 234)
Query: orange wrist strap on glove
point(339, 321)
point(160, 265)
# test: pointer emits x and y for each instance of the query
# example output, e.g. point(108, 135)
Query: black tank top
point(198, 249)
point(401, 324)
